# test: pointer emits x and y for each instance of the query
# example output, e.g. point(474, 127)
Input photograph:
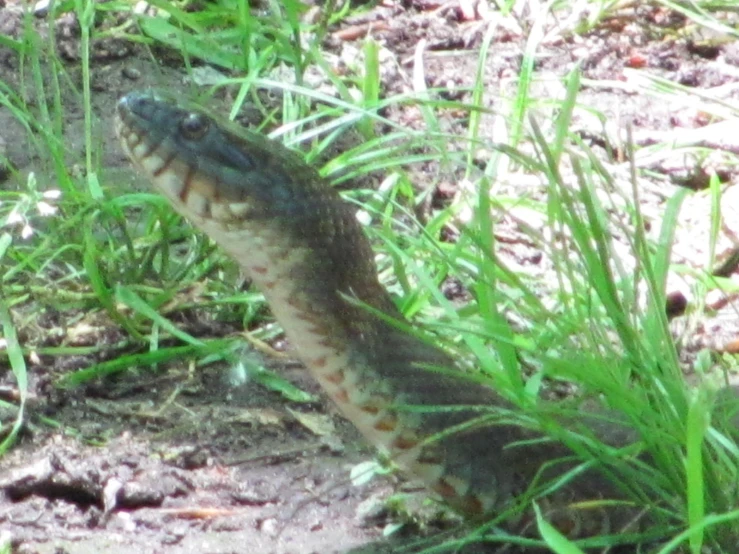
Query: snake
point(303, 247)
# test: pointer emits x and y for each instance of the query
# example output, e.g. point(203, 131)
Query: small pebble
point(41, 8)
point(270, 527)
point(131, 73)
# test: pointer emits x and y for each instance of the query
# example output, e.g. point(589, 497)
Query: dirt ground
point(180, 462)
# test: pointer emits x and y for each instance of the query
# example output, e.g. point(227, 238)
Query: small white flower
point(45, 209)
point(27, 231)
point(364, 217)
point(14, 218)
point(52, 194)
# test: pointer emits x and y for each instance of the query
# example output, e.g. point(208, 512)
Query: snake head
point(211, 168)
point(241, 187)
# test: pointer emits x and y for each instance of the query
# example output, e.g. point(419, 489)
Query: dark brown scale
point(187, 182)
point(165, 167)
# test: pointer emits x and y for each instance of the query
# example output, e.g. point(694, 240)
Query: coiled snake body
point(303, 248)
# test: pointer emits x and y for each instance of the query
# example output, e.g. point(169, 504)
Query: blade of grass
point(128, 297)
point(18, 367)
point(91, 259)
point(696, 428)
point(554, 539)
point(129, 361)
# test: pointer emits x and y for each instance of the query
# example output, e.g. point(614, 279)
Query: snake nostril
point(137, 103)
point(128, 104)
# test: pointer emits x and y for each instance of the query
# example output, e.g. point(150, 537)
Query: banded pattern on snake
point(304, 249)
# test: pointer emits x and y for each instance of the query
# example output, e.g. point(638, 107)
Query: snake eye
point(194, 126)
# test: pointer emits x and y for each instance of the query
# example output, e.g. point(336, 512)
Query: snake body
point(304, 249)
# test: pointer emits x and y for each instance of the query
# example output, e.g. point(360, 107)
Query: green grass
point(600, 323)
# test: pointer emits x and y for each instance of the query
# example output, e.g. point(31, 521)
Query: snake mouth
point(141, 126)
point(135, 126)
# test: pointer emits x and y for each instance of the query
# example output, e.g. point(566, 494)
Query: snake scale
point(304, 249)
